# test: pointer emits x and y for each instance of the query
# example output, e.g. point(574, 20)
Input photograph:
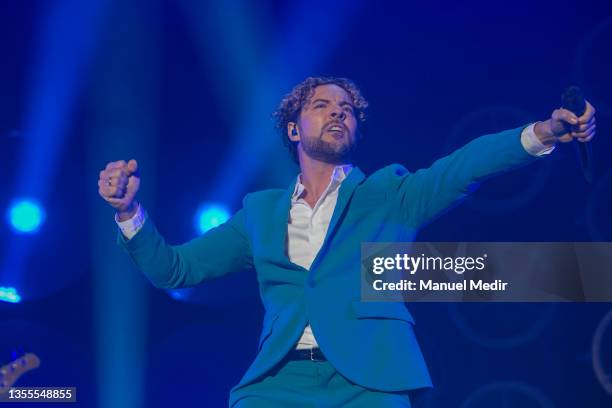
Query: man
point(320, 346)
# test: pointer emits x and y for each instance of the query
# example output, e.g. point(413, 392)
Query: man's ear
point(293, 132)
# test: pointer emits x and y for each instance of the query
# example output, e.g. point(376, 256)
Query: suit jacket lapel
point(281, 216)
point(281, 220)
point(347, 188)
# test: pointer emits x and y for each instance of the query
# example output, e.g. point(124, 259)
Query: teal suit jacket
point(372, 344)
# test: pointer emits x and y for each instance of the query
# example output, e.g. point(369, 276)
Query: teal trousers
point(312, 384)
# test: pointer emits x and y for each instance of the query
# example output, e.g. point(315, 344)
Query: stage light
point(26, 216)
point(210, 216)
point(9, 295)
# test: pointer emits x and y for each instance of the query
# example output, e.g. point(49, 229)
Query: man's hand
point(118, 184)
point(564, 126)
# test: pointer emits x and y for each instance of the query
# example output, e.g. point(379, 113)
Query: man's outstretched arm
point(428, 192)
point(220, 251)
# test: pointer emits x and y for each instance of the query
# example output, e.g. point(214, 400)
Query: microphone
point(573, 100)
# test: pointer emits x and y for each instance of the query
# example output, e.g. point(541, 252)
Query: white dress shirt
point(307, 229)
point(307, 226)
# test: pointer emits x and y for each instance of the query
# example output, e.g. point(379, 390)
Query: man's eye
point(319, 105)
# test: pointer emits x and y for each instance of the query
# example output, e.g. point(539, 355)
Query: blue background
point(187, 89)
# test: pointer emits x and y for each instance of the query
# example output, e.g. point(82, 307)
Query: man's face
point(327, 125)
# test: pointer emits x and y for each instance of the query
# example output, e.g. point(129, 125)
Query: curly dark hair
point(291, 105)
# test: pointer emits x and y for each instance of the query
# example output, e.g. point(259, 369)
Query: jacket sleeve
point(220, 251)
point(428, 192)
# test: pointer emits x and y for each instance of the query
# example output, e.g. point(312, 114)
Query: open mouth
point(337, 131)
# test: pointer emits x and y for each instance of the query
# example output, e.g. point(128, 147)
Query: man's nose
point(338, 113)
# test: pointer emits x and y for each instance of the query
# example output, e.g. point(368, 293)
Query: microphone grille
point(573, 100)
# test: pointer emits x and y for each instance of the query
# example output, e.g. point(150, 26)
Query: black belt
point(313, 354)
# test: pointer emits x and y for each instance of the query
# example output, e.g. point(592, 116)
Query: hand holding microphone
point(575, 120)
point(565, 126)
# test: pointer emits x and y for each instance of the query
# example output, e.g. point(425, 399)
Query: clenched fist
point(118, 184)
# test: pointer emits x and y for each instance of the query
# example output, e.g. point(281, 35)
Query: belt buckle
point(312, 356)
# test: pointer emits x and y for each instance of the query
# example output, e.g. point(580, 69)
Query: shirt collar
point(338, 175)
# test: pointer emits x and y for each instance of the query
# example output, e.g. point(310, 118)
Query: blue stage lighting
point(210, 216)
point(9, 295)
point(26, 216)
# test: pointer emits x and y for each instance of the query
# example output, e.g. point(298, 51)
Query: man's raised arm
point(428, 192)
point(220, 251)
